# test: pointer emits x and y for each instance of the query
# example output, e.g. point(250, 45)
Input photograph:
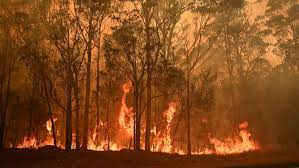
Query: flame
point(33, 143)
point(162, 140)
point(28, 143)
point(49, 125)
point(238, 144)
point(126, 120)
point(169, 113)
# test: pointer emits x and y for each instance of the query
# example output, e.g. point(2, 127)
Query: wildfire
point(32, 142)
point(238, 144)
point(162, 140)
point(126, 120)
point(49, 125)
point(28, 143)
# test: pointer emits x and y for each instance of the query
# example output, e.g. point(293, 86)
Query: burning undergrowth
point(163, 139)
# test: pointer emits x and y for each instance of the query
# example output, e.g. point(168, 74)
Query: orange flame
point(238, 144)
point(162, 139)
point(163, 142)
point(126, 120)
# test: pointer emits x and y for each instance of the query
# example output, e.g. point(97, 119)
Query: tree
point(14, 24)
point(156, 17)
point(242, 43)
point(65, 36)
point(125, 52)
point(281, 18)
point(89, 15)
point(195, 53)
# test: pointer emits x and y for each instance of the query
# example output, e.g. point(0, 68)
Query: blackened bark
point(77, 106)
point(98, 80)
point(107, 121)
point(4, 112)
point(87, 93)
point(188, 109)
point(137, 118)
point(50, 111)
point(149, 92)
point(68, 142)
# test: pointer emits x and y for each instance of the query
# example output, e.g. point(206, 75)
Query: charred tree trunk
point(188, 118)
point(1, 100)
point(107, 121)
point(68, 142)
point(4, 97)
point(77, 104)
point(50, 111)
point(137, 118)
point(87, 93)
point(149, 91)
point(1, 111)
point(188, 109)
point(4, 111)
point(98, 80)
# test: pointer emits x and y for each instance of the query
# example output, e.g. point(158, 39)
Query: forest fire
point(149, 78)
point(162, 141)
point(126, 120)
point(240, 144)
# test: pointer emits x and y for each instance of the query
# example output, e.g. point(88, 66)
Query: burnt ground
point(57, 158)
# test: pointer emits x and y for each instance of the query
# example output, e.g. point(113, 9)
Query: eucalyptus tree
point(89, 16)
point(66, 37)
point(201, 37)
point(282, 21)
point(8, 57)
point(124, 52)
point(195, 49)
point(159, 19)
point(242, 43)
point(16, 20)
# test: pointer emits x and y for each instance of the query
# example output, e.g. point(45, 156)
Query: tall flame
point(162, 140)
point(169, 113)
point(126, 120)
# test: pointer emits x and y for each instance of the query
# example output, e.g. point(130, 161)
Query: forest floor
point(57, 158)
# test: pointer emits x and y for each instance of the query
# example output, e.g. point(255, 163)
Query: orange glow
point(162, 140)
point(125, 119)
point(238, 144)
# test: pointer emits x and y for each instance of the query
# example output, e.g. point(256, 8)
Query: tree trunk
point(50, 111)
point(188, 109)
point(230, 69)
point(149, 92)
point(98, 80)
point(4, 112)
point(1, 91)
point(137, 119)
point(77, 102)
point(68, 142)
point(107, 121)
point(188, 118)
point(87, 93)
